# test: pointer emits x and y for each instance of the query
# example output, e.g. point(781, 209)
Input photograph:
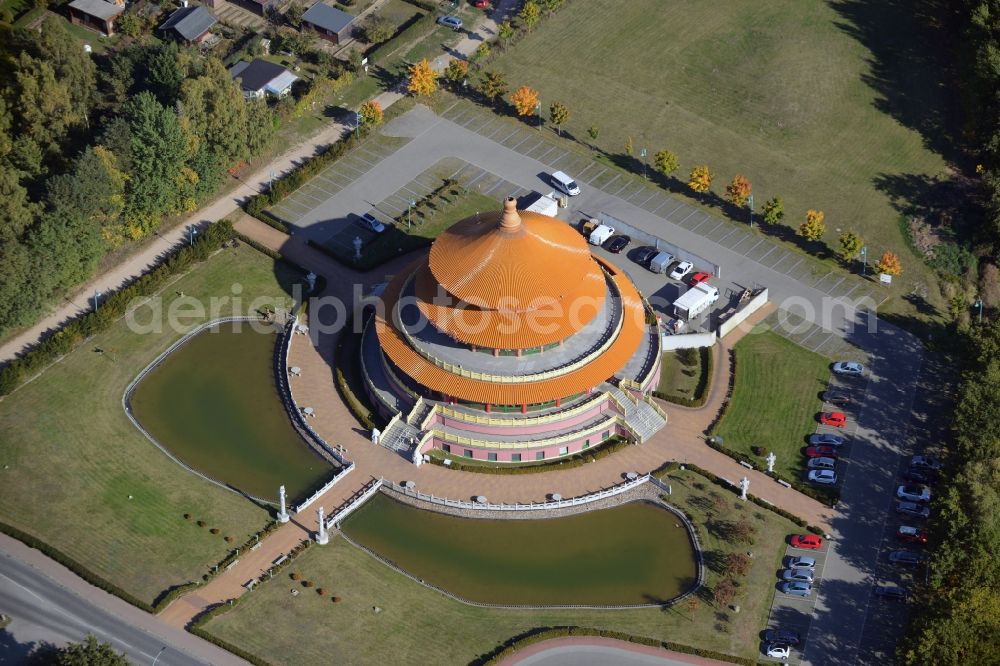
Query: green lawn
point(419, 626)
point(786, 92)
point(775, 399)
point(79, 476)
point(677, 379)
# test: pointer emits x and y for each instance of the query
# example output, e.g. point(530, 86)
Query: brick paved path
point(682, 440)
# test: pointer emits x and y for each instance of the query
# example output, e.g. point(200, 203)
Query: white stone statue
point(771, 458)
point(744, 487)
point(376, 435)
point(283, 514)
point(357, 247)
point(311, 281)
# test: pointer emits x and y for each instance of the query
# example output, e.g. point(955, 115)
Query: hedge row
point(355, 404)
point(576, 460)
point(112, 308)
point(74, 566)
point(548, 633)
point(701, 391)
point(263, 249)
point(729, 395)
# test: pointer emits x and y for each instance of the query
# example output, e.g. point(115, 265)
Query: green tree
point(214, 113)
point(90, 653)
point(666, 162)
point(456, 72)
point(493, 85)
point(629, 146)
point(294, 15)
point(164, 73)
point(774, 210)
point(551, 6)
point(73, 66)
point(505, 31)
point(593, 132)
point(529, 15)
point(42, 104)
point(558, 114)
point(379, 29)
point(850, 245)
point(481, 54)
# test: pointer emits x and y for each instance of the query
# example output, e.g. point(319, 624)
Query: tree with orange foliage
point(371, 113)
point(423, 79)
point(738, 191)
point(889, 264)
point(813, 228)
point(525, 100)
point(700, 179)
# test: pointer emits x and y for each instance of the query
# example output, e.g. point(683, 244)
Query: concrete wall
point(641, 237)
point(751, 306)
point(688, 341)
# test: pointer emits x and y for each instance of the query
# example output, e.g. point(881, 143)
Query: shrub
point(187, 516)
point(321, 591)
point(308, 583)
point(687, 356)
point(214, 530)
point(335, 600)
point(295, 575)
point(201, 523)
point(228, 538)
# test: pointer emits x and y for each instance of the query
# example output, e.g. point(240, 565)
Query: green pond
point(637, 553)
point(214, 404)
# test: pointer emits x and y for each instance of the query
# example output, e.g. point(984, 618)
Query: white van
point(659, 263)
point(564, 183)
point(601, 234)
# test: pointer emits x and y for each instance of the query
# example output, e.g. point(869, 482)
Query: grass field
point(79, 476)
point(775, 399)
point(679, 380)
point(811, 100)
point(420, 626)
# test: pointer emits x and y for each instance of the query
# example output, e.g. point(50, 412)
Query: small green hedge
point(197, 629)
point(360, 410)
point(112, 308)
point(541, 634)
point(701, 391)
point(576, 460)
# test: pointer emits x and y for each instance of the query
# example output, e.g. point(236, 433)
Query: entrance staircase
point(644, 420)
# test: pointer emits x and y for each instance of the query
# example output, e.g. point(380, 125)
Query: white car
point(914, 493)
point(851, 368)
point(821, 463)
point(368, 221)
point(824, 477)
point(452, 22)
point(778, 650)
point(801, 575)
point(802, 562)
point(681, 270)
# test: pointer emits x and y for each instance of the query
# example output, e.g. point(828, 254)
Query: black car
point(618, 243)
point(782, 636)
point(837, 398)
point(891, 592)
point(920, 475)
point(644, 254)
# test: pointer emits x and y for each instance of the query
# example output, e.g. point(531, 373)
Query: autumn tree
point(525, 100)
point(558, 114)
point(850, 245)
point(481, 53)
point(774, 210)
point(529, 15)
point(737, 564)
point(813, 228)
point(743, 530)
point(889, 264)
point(456, 71)
point(493, 85)
point(423, 79)
point(371, 113)
point(738, 191)
point(666, 162)
point(593, 132)
point(724, 592)
point(700, 179)
point(629, 146)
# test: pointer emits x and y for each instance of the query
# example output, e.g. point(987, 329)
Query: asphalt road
point(45, 612)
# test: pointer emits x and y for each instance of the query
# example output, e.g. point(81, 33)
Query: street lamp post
point(357, 125)
point(750, 209)
point(864, 260)
point(97, 299)
point(642, 154)
point(192, 232)
point(409, 218)
point(538, 108)
point(979, 304)
point(270, 185)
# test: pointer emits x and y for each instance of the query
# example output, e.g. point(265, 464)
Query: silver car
point(914, 493)
point(849, 368)
point(823, 477)
point(681, 270)
point(826, 439)
point(913, 509)
point(796, 588)
point(452, 22)
point(821, 463)
point(801, 575)
point(802, 562)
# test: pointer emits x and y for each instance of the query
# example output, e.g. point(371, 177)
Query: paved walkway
point(681, 440)
point(578, 650)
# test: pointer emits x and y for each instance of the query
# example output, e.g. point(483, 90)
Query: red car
point(807, 541)
point(835, 419)
point(821, 452)
point(481, 4)
point(911, 534)
point(698, 278)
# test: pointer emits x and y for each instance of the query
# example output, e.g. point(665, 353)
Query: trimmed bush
point(201, 523)
point(308, 583)
point(295, 575)
point(187, 516)
point(335, 600)
point(321, 591)
point(214, 530)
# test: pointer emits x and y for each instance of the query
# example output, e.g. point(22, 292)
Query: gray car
point(913, 509)
point(801, 575)
point(826, 439)
point(801, 562)
point(452, 22)
point(905, 557)
point(796, 588)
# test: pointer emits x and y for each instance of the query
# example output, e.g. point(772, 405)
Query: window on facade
point(586, 444)
point(540, 455)
point(515, 457)
point(605, 435)
point(468, 453)
point(491, 457)
point(446, 448)
point(563, 450)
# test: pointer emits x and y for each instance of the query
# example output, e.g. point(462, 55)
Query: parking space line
point(764, 256)
point(677, 206)
point(518, 145)
point(646, 200)
point(793, 266)
point(823, 342)
point(684, 219)
point(504, 140)
point(832, 289)
point(746, 237)
point(541, 158)
point(721, 240)
point(625, 186)
point(587, 168)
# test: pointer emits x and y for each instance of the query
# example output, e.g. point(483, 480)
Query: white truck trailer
point(695, 300)
point(545, 204)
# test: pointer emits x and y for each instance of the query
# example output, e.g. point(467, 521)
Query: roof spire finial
point(510, 220)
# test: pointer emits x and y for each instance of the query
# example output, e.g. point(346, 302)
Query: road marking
point(684, 219)
point(541, 158)
point(837, 284)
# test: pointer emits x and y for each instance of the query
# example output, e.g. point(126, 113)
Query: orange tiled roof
point(511, 260)
point(549, 321)
point(426, 373)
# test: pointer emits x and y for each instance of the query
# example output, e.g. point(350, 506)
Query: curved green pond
point(214, 404)
point(637, 553)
